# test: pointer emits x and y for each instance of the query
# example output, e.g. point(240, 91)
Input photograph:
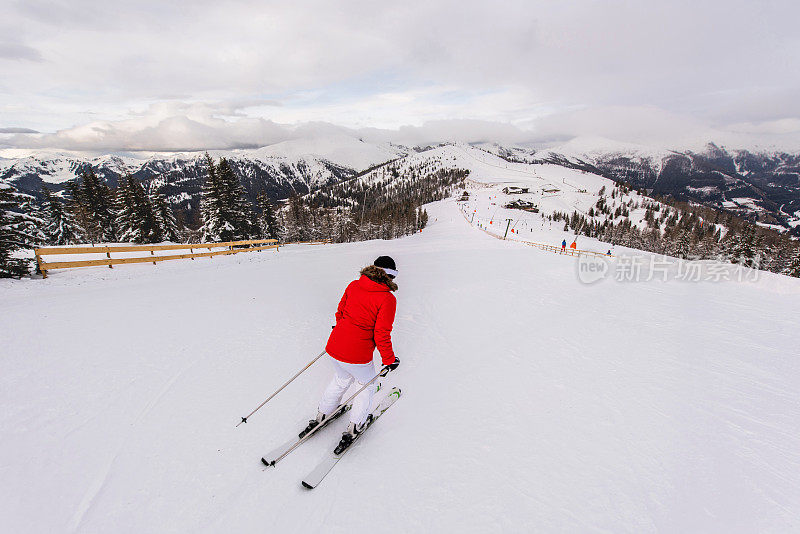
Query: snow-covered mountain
point(292, 166)
point(550, 190)
point(552, 182)
point(762, 186)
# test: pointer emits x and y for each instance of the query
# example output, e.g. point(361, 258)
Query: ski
point(313, 479)
point(269, 458)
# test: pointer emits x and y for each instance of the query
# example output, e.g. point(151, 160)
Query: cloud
point(651, 71)
point(777, 127)
point(193, 126)
point(180, 126)
point(17, 131)
point(640, 124)
point(452, 130)
point(171, 134)
point(19, 52)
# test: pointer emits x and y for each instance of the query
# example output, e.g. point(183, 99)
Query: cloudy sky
point(142, 75)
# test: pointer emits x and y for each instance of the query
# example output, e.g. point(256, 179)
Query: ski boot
point(312, 424)
point(350, 435)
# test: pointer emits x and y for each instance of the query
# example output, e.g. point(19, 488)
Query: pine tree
point(170, 229)
point(60, 226)
point(19, 229)
point(709, 246)
point(267, 221)
point(239, 209)
point(741, 247)
point(77, 208)
point(794, 267)
point(138, 222)
point(344, 228)
point(296, 220)
point(99, 204)
point(423, 219)
point(211, 204)
point(682, 244)
point(226, 213)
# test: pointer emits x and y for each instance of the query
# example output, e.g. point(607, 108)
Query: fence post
point(39, 264)
point(108, 255)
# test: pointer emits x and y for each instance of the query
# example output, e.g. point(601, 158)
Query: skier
point(563, 246)
point(364, 320)
point(574, 245)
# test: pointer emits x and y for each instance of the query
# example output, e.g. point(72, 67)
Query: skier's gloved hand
point(395, 364)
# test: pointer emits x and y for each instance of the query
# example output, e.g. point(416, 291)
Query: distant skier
point(364, 320)
point(563, 246)
point(574, 245)
point(608, 253)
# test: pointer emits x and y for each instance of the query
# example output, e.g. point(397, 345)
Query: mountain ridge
point(762, 186)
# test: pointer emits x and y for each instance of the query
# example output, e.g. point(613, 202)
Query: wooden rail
point(323, 242)
point(568, 251)
point(246, 246)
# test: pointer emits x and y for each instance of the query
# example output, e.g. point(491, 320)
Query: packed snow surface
point(531, 402)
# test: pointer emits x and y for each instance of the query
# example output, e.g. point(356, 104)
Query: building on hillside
point(513, 190)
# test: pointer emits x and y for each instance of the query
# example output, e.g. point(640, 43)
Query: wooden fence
point(568, 251)
point(242, 246)
point(543, 246)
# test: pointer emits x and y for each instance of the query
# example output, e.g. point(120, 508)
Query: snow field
point(531, 402)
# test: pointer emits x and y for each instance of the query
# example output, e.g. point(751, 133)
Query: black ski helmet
point(387, 264)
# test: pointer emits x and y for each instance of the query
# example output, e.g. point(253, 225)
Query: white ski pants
point(344, 375)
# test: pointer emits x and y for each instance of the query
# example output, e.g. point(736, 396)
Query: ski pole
point(244, 419)
point(383, 372)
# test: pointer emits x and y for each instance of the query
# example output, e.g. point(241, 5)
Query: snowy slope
point(705, 173)
point(531, 402)
point(485, 167)
point(552, 188)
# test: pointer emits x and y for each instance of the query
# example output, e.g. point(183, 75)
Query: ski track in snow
point(102, 477)
point(91, 494)
point(530, 402)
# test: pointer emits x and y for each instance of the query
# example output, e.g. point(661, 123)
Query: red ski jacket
point(363, 321)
